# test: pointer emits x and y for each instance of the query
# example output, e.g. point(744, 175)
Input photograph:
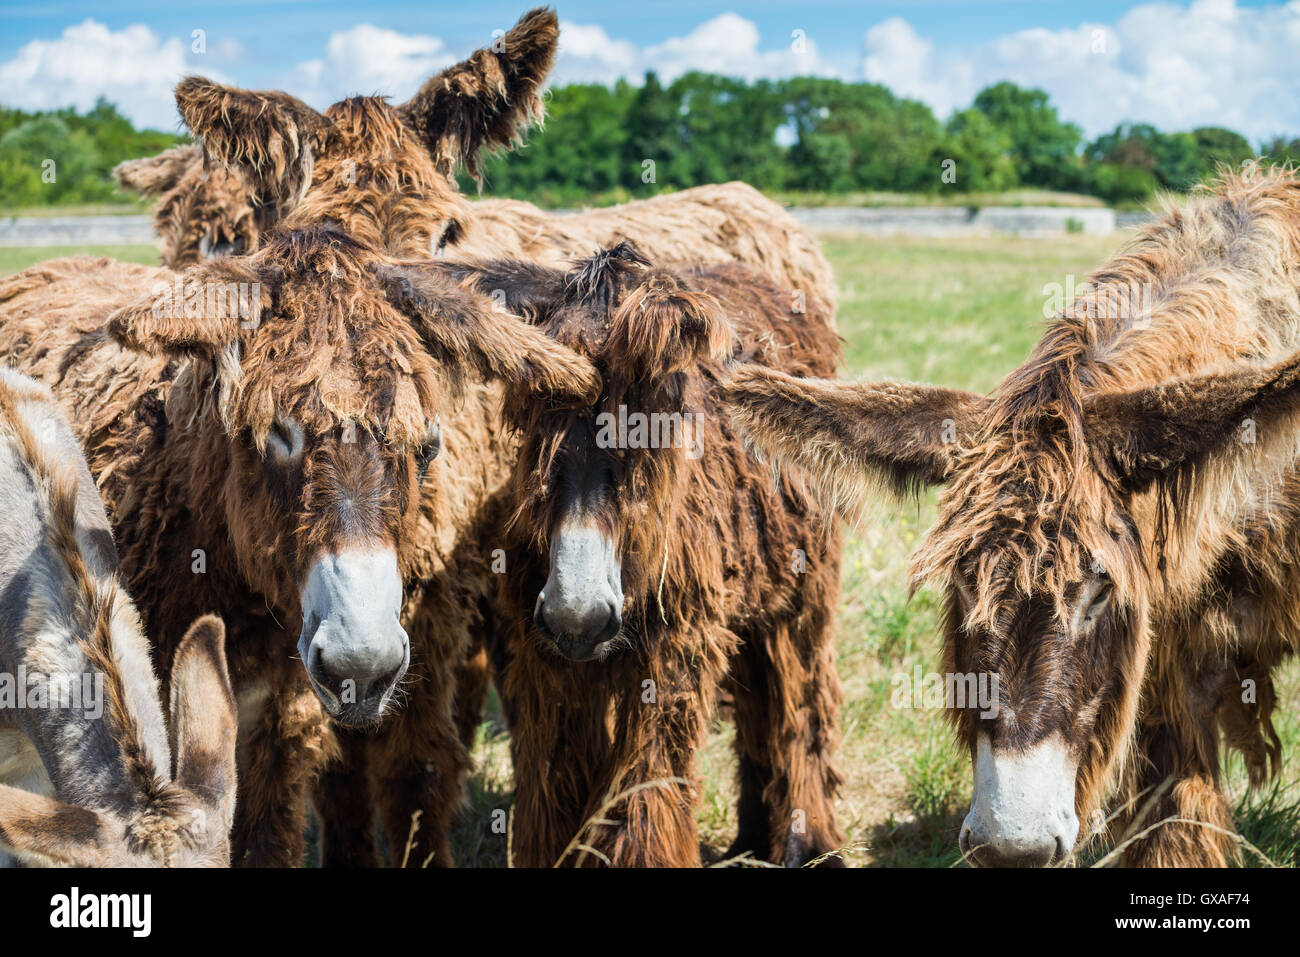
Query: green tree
point(653, 131)
point(1042, 146)
point(982, 153)
point(1221, 147)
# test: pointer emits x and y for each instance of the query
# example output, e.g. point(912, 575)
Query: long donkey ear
point(269, 137)
point(204, 718)
point(41, 830)
point(527, 289)
point(201, 310)
point(461, 327)
point(155, 175)
point(852, 436)
point(488, 101)
point(1147, 433)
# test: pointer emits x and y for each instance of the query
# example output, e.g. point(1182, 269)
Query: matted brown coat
point(1117, 536)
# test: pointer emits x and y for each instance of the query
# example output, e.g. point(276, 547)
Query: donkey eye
point(284, 440)
point(1096, 604)
point(429, 447)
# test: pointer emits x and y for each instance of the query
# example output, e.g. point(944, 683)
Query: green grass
point(15, 258)
point(962, 312)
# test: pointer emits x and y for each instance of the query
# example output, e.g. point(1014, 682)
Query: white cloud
point(728, 44)
point(133, 67)
point(1210, 63)
point(903, 61)
point(366, 60)
point(1176, 66)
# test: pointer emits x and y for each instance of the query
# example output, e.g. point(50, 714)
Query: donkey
point(86, 769)
point(481, 105)
point(330, 449)
point(1117, 535)
point(645, 575)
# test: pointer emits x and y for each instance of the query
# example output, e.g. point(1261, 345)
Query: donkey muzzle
point(352, 642)
point(581, 606)
point(1022, 811)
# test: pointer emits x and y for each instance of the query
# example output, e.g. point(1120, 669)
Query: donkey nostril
point(1062, 851)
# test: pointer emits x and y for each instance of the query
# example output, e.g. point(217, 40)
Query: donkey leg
point(280, 757)
point(645, 816)
point(418, 764)
point(343, 805)
point(651, 807)
point(559, 747)
point(787, 703)
point(1175, 777)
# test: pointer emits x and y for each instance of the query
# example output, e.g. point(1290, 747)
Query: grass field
point(962, 312)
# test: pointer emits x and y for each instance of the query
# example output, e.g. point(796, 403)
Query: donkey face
point(1048, 544)
point(330, 402)
point(1044, 612)
point(202, 212)
point(598, 487)
point(262, 150)
point(173, 817)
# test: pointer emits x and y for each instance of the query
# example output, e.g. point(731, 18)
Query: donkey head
point(326, 372)
point(597, 487)
point(1049, 544)
point(379, 164)
point(201, 213)
point(177, 816)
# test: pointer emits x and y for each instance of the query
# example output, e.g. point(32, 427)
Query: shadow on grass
point(927, 841)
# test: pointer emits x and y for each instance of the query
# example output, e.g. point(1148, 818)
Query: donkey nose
point(1037, 848)
point(356, 678)
point(578, 627)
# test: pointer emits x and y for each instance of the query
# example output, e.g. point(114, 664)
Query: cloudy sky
point(1233, 63)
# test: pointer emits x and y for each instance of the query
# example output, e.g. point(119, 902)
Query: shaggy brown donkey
point(87, 776)
point(1118, 535)
point(652, 561)
point(281, 464)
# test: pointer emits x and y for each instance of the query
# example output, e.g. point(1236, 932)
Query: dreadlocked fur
point(1142, 458)
point(484, 104)
point(333, 337)
point(714, 594)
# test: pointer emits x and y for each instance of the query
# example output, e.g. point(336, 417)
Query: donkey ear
point(155, 175)
point(666, 326)
point(201, 311)
point(39, 829)
point(527, 289)
point(269, 137)
point(851, 436)
point(204, 718)
point(1147, 433)
point(460, 327)
point(488, 101)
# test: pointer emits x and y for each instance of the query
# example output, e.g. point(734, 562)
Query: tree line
point(800, 135)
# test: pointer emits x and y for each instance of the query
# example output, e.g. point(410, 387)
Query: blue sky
point(1176, 64)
